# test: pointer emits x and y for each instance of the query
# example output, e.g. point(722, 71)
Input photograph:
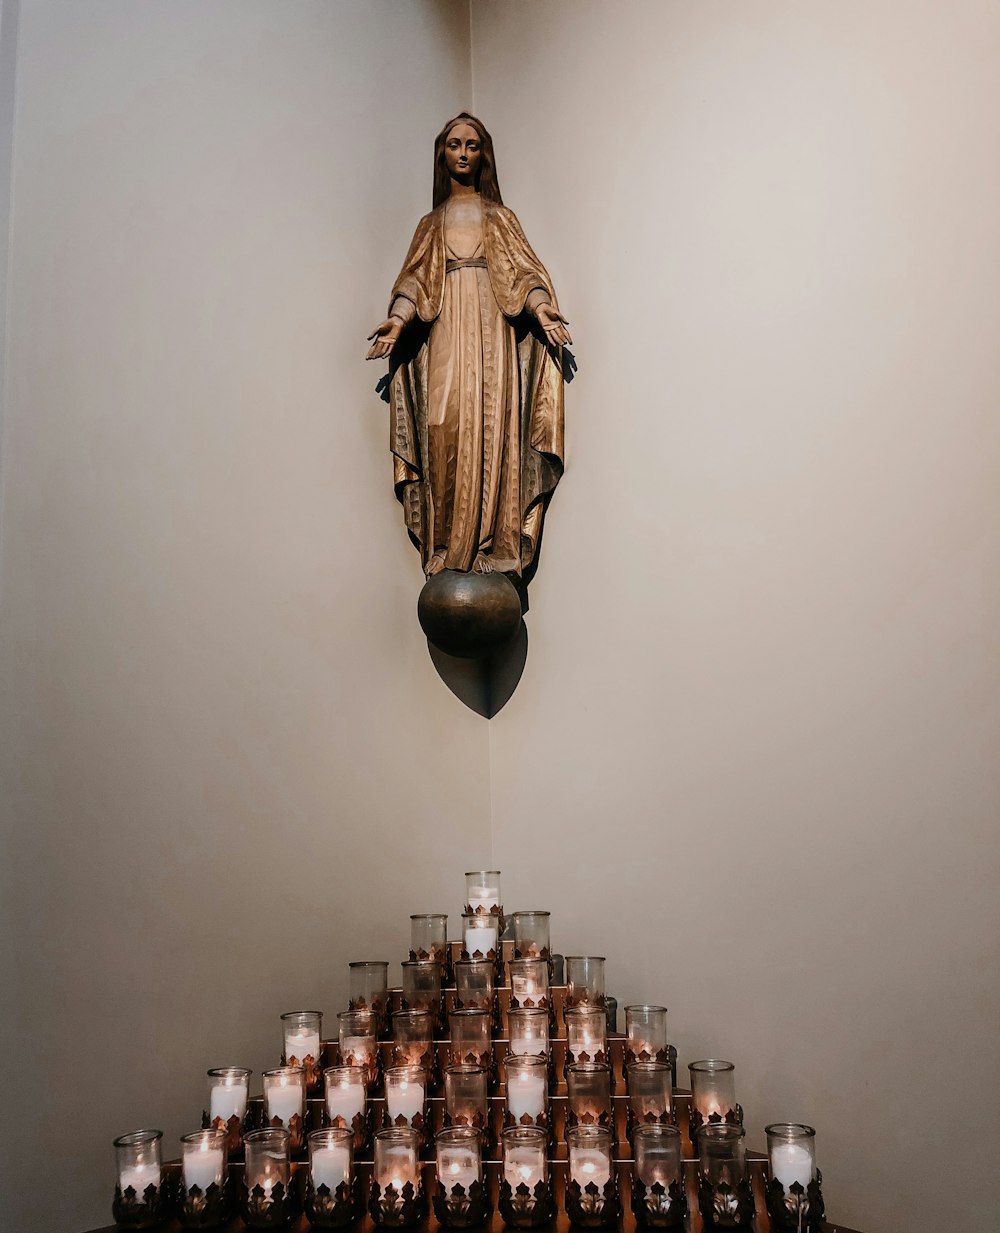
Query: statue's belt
point(464, 263)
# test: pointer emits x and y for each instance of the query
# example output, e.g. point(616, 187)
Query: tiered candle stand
point(620, 1202)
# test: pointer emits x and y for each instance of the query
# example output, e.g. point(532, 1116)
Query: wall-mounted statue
point(473, 337)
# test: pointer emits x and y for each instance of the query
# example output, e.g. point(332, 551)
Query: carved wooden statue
point(474, 337)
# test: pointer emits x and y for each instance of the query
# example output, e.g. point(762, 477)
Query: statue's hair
point(486, 179)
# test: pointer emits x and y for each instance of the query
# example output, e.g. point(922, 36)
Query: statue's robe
point(476, 395)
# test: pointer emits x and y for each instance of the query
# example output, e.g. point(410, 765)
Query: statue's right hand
point(385, 336)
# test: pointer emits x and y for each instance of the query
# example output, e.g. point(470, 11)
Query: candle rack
point(396, 1207)
point(337, 1209)
point(524, 1207)
point(234, 1128)
point(460, 1208)
point(203, 1209)
point(798, 1208)
point(658, 1206)
point(593, 1206)
point(725, 1206)
point(733, 1117)
point(267, 1209)
point(145, 1211)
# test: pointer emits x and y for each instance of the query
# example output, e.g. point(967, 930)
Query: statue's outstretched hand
point(385, 336)
point(554, 324)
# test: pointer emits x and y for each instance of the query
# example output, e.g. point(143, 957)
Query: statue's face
point(463, 153)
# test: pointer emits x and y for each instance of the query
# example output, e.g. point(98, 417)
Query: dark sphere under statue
point(468, 615)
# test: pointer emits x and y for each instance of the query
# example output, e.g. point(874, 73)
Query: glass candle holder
point(650, 1093)
point(471, 1038)
point(285, 1102)
point(406, 1097)
point(527, 1091)
point(585, 1034)
point(531, 935)
point(358, 1045)
point(346, 1101)
point(724, 1193)
point(588, 1088)
point(529, 982)
point(713, 1094)
point(480, 936)
point(475, 985)
point(460, 1198)
point(585, 980)
point(228, 1096)
point(139, 1201)
point(591, 1190)
point(302, 1033)
point(330, 1180)
point(429, 937)
point(528, 1031)
point(525, 1195)
point(203, 1159)
point(422, 987)
point(413, 1039)
point(646, 1034)
point(465, 1097)
point(396, 1197)
point(794, 1199)
point(369, 990)
point(482, 892)
point(658, 1197)
point(266, 1201)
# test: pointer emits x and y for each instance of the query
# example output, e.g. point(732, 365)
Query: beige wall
point(760, 711)
point(758, 722)
point(218, 707)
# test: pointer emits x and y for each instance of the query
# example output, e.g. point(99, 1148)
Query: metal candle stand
point(295, 1127)
point(725, 1206)
point(203, 1209)
point(234, 1131)
point(362, 1125)
point(796, 1208)
point(526, 1208)
point(336, 1209)
point(734, 1117)
point(396, 1208)
point(459, 1208)
point(145, 1211)
point(267, 1209)
point(658, 1206)
point(592, 1207)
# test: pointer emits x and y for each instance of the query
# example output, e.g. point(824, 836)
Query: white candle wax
point(139, 1177)
point(300, 1045)
point(406, 1100)
point(345, 1100)
point(457, 1173)
point(520, 1166)
point(526, 1094)
point(526, 1044)
point(484, 897)
point(203, 1167)
point(284, 1100)
point(483, 939)
point(228, 1100)
point(330, 1166)
point(588, 1166)
point(790, 1162)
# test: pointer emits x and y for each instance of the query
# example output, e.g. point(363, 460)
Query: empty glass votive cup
point(645, 1034)
point(531, 935)
point(588, 1087)
point(465, 1096)
point(586, 1029)
point(649, 1093)
point(528, 1030)
point(585, 980)
point(429, 937)
point(475, 984)
point(358, 1044)
point(529, 982)
point(413, 1038)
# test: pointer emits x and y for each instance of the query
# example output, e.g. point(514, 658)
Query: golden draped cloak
point(533, 383)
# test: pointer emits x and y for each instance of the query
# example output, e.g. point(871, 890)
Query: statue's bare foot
point(482, 564)
point(435, 565)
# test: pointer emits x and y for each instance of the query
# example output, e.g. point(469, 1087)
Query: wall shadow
point(485, 685)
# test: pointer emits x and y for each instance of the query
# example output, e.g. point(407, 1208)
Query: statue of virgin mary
point(473, 337)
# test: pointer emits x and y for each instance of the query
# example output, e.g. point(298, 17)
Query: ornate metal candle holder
point(396, 1199)
point(591, 1189)
point(585, 980)
point(724, 1193)
point(266, 1201)
point(202, 1198)
point(471, 1039)
point(588, 1095)
point(525, 1199)
point(475, 981)
point(531, 935)
point(529, 982)
point(586, 1035)
point(527, 1099)
point(429, 939)
point(713, 1096)
point(358, 1044)
point(422, 987)
point(302, 1033)
point(794, 1197)
point(466, 1102)
point(406, 1099)
point(460, 1198)
point(285, 1104)
point(346, 1103)
point(370, 991)
point(228, 1092)
point(332, 1197)
point(480, 936)
point(141, 1195)
point(646, 1034)
point(413, 1041)
point(483, 898)
point(658, 1197)
point(649, 1095)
